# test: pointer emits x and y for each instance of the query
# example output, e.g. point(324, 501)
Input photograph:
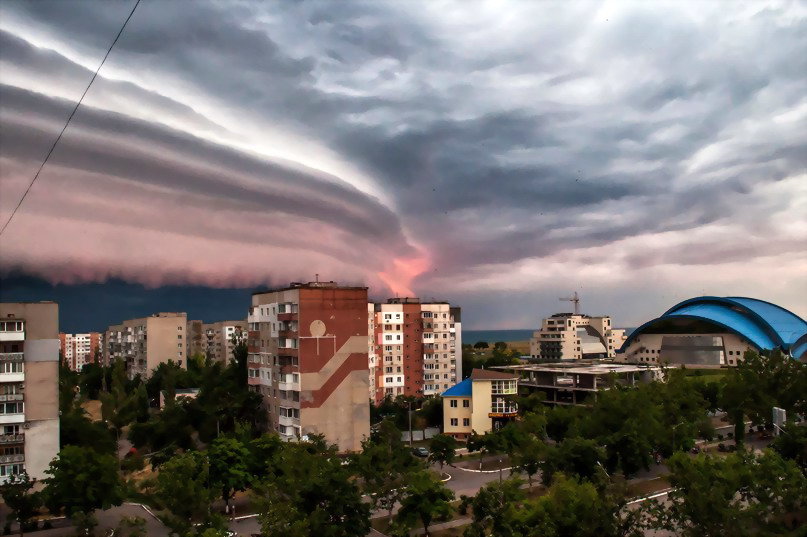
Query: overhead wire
point(56, 141)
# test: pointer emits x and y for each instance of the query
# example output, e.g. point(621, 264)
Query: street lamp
point(673, 436)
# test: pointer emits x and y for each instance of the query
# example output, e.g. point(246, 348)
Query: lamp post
point(673, 437)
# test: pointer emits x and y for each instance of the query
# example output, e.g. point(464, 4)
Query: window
point(466, 403)
point(454, 422)
point(453, 403)
point(466, 422)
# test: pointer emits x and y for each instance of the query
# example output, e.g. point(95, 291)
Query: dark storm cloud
point(521, 133)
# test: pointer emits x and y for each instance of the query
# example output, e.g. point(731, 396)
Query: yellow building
point(481, 403)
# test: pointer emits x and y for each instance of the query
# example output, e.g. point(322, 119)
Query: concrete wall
point(162, 343)
point(480, 421)
point(459, 413)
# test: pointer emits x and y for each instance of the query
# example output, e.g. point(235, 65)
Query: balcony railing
point(12, 438)
point(12, 356)
point(12, 458)
point(11, 397)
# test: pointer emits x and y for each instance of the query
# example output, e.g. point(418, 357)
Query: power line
point(36, 176)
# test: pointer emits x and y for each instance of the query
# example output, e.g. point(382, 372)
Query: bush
point(719, 436)
point(729, 435)
point(47, 525)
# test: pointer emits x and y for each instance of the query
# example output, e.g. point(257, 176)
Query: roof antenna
point(316, 277)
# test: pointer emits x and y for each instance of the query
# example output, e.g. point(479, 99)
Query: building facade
point(569, 336)
point(579, 382)
point(79, 349)
point(147, 342)
point(308, 358)
point(414, 347)
point(29, 387)
point(218, 338)
point(711, 331)
point(481, 403)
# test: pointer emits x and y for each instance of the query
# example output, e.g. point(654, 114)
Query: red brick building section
point(308, 357)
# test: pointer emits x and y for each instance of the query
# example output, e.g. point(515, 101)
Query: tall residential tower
point(29, 387)
point(308, 358)
point(415, 348)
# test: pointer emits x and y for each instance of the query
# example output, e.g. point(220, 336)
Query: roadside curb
point(483, 471)
point(658, 494)
point(145, 508)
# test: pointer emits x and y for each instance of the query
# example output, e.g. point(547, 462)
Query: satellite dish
point(317, 328)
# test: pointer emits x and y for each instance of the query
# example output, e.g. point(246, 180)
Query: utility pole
point(410, 424)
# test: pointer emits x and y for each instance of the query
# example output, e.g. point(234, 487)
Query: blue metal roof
point(765, 325)
point(463, 389)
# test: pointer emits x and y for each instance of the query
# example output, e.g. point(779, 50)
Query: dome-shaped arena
point(716, 331)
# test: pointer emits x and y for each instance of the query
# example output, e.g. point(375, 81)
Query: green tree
point(791, 443)
point(575, 457)
point(82, 481)
point(495, 509)
point(262, 452)
point(312, 494)
point(577, 508)
point(528, 457)
point(442, 449)
point(19, 497)
point(384, 466)
point(481, 345)
point(740, 494)
point(759, 383)
point(228, 467)
point(425, 500)
point(76, 429)
point(183, 487)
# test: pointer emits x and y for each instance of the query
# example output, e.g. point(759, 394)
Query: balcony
point(287, 316)
point(12, 377)
point(12, 356)
point(501, 408)
point(287, 382)
point(11, 397)
point(288, 352)
point(12, 419)
point(287, 333)
point(288, 421)
point(4, 459)
point(12, 438)
point(12, 336)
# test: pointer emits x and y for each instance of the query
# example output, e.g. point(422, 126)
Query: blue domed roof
point(765, 325)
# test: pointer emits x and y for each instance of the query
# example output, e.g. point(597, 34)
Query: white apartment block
point(79, 350)
point(147, 342)
point(567, 336)
point(414, 348)
point(29, 387)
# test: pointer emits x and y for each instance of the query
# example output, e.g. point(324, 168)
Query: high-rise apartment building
point(147, 342)
point(214, 341)
point(218, 338)
point(29, 387)
point(79, 349)
point(566, 336)
point(415, 348)
point(308, 358)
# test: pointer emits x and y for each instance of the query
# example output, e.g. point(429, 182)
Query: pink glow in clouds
point(405, 270)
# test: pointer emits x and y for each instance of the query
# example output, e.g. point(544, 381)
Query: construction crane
point(576, 300)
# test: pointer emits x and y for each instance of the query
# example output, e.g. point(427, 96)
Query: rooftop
point(308, 285)
point(463, 389)
point(580, 367)
point(487, 374)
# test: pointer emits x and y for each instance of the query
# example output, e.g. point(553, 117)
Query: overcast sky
point(498, 155)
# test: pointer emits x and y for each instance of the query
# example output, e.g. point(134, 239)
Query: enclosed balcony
point(502, 408)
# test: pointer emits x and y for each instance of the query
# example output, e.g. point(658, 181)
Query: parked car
point(420, 452)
